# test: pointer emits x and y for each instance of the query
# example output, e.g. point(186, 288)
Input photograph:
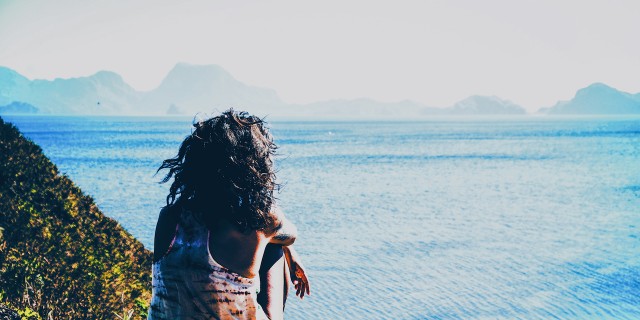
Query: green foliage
point(28, 314)
point(142, 307)
point(60, 257)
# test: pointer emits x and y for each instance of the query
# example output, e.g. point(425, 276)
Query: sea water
point(530, 217)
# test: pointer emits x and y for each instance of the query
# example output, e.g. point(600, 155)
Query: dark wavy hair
point(224, 170)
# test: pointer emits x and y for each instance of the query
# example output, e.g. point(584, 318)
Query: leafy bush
point(60, 257)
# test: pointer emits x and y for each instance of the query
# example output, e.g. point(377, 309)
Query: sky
point(533, 53)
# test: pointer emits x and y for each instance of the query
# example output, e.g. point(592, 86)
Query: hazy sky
point(435, 52)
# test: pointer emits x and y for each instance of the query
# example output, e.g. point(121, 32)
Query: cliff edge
point(60, 257)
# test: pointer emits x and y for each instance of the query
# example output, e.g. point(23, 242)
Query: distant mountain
point(18, 107)
point(361, 108)
point(102, 93)
point(196, 88)
point(174, 110)
point(474, 105)
point(187, 89)
point(13, 86)
point(485, 105)
point(598, 98)
point(190, 89)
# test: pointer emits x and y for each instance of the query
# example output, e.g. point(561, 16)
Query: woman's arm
point(296, 271)
point(284, 231)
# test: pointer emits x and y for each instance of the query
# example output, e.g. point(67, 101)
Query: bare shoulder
point(164, 212)
point(168, 218)
point(165, 232)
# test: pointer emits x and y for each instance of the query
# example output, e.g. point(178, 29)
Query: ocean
point(445, 218)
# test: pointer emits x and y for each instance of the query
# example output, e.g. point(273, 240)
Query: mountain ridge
point(598, 98)
point(485, 105)
point(207, 86)
point(190, 89)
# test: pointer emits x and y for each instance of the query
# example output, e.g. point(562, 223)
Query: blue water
point(445, 219)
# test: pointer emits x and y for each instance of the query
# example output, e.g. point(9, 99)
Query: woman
point(221, 233)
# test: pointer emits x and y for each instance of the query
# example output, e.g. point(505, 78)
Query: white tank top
point(189, 284)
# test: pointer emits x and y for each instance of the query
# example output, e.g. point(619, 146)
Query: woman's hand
point(296, 271)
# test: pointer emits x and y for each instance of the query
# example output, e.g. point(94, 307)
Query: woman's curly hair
point(224, 170)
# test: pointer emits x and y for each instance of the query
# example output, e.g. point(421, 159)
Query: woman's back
point(189, 283)
point(238, 251)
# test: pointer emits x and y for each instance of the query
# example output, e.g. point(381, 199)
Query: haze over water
point(447, 218)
